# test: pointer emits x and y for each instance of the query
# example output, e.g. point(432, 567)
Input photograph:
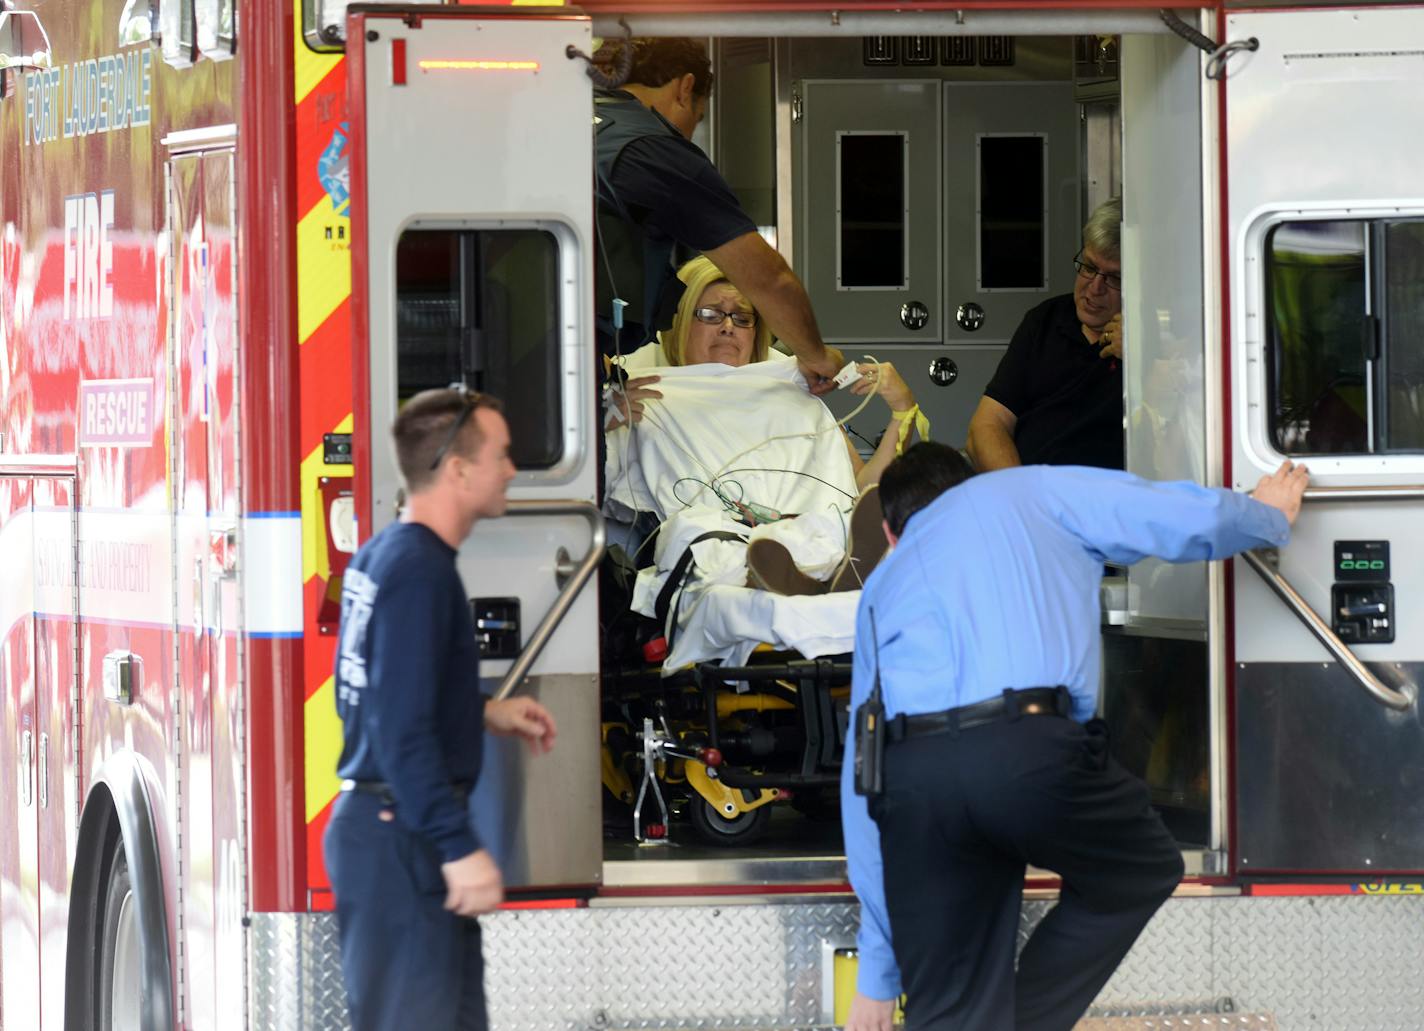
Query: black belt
point(1032, 701)
point(380, 789)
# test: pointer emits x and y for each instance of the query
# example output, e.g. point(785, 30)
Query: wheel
point(716, 829)
point(120, 1003)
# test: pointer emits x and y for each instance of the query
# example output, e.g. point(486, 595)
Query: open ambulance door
point(1325, 229)
point(472, 204)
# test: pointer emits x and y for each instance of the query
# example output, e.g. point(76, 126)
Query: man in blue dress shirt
point(987, 622)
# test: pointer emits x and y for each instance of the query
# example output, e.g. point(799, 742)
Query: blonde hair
point(697, 275)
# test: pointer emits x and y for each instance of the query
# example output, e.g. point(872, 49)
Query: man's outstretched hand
point(522, 717)
point(1283, 489)
point(820, 374)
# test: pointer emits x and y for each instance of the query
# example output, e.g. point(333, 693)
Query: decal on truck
point(116, 411)
point(89, 255)
point(103, 94)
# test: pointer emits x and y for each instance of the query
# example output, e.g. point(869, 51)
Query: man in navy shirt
point(988, 667)
point(1056, 397)
point(657, 189)
point(408, 872)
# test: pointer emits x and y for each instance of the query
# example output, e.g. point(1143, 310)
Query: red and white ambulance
point(234, 237)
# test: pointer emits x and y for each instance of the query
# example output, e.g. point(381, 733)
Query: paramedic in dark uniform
point(657, 190)
point(408, 873)
point(988, 671)
point(1056, 397)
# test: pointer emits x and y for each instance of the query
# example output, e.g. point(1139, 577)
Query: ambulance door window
point(1345, 336)
point(481, 307)
point(1402, 333)
point(1316, 299)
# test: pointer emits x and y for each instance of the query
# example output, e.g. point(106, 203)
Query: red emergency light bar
point(477, 66)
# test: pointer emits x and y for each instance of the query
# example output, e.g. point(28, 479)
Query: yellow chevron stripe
point(310, 67)
point(323, 748)
point(320, 295)
point(314, 560)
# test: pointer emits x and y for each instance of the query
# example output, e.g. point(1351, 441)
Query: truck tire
point(716, 829)
point(119, 1005)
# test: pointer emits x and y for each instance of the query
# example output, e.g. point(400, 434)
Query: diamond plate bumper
point(1293, 964)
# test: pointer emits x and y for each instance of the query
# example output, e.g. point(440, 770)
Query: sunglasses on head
point(472, 401)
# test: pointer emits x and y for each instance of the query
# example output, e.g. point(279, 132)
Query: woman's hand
point(632, 396)
point(893, 388)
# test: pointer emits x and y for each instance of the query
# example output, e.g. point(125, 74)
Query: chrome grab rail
point(1403, 492)
point(1339, 651)
point(569, 588)
point(42, 466)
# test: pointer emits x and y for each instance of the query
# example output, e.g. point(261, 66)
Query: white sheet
point(753, 430)
point(727, 623)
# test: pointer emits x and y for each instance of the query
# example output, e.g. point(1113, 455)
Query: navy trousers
point(961, 816)
point(406, 960)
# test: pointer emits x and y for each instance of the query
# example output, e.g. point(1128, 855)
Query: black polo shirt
point(672, 190)
point(676, 205)
point(1067, 397)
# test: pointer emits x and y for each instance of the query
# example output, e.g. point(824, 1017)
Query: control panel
point(1362, 598)
point(496, 626)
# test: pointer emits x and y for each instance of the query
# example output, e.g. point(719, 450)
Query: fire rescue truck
point(233, 239)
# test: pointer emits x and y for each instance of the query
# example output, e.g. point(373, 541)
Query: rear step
point(1182, 1022)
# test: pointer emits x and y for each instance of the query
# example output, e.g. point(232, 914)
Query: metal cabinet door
point(1011, 219)
point(868, 248)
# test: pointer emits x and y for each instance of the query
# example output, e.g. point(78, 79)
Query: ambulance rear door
point(1325, 228)
point(471, 263)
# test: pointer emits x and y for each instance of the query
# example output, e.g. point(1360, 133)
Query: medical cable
point(792, 472)
point(814, 433)
point(620, 386)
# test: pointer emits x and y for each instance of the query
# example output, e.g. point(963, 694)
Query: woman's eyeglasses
point(716, 316)
point(1089, 271)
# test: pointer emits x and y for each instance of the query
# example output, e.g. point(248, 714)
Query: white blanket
point(727, 623)
point(752, 433)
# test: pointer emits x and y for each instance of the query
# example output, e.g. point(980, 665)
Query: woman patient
point(715, 323)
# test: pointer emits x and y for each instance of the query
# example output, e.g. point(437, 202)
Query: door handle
point(44, 771)
point(1390, 698)
point(914, 315)
point(943, 371)
point(569, 588)
point(27, 745)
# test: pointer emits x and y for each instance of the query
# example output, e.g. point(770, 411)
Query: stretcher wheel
point(715, 829)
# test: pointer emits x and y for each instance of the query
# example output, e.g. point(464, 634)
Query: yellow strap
point(910, 417)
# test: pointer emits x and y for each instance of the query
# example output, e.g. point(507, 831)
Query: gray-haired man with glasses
point(1056, 398)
